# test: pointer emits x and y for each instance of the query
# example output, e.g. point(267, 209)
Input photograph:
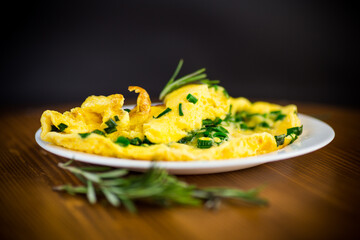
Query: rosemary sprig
point(155, 186)
point(197, 76)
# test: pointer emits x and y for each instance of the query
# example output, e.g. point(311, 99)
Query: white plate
point(316, 134)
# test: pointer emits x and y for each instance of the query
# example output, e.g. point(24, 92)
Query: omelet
point(195, 121)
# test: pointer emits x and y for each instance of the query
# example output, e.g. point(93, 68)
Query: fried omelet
point(194, 122)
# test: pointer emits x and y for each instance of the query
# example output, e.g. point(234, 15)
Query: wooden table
point(315, 196)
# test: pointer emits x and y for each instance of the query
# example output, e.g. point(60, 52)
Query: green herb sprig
point(155, 186)
point(197, 76)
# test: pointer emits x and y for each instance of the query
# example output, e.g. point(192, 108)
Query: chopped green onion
point(264, 125)
point(226, 93)
point(207, 122)
point(204, 143)
point(111, 123)
point(59, 128)
point(188, 138)
point(280, 139)
point(293, 137)
point(180, 110)
point(220, 129)
point(280, 117)
point(122, 141)
point(127, 110)
point(206, 133)
point(295, 130)
point(276, 112)
point(111, 126)
point(217, 121)
point(191, 98)
point(62, 127)
point(116, 118)
point(84, 135)
point(163, 113)
point(97, 131)
point(135, 141)
point(244, 126)
point(146, 141)
point(54, 128)
point(220, 135)
point(110, 130)
point(277, 115)
point(215, 86)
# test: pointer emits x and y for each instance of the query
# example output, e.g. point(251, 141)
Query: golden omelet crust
point(106, 115)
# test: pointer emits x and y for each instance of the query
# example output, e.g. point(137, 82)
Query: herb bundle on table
point(155, 186)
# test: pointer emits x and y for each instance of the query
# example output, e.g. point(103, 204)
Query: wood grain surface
point(314, 196)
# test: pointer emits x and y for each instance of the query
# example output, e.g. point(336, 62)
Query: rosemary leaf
point(91, 192)
point(111, 197)
point(71, 189)
point(113, 174)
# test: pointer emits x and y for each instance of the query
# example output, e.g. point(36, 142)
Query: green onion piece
point(54, 128)
point(215, 86)
point(135, 141)
point(276, 112)
point(264, 125)
point(111, 123)
point(146, 141)
point(293, 138)
point(84, 135)
point(280, 139)
point(226, 93)
point(62, 127)
point(127, 110)
point(188, 138)
point(97, 131)
point(191, 98)
point(111, 126)
point(220, 135)
point(204, 143)
point(244, 126)
point(122, 141)
point(116, 118)
point(207, 122)
point(110, 130)
point(59, 128)
point(217, 121)
point(280, 117)
point(295, 130)
point(180, 110)
point(220, 129)
point(163, 113)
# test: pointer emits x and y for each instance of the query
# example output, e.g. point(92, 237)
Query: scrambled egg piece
point(195, 122)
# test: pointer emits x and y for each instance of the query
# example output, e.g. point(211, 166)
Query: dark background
point(63, 51)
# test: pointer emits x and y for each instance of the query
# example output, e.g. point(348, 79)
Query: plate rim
point(197, 166)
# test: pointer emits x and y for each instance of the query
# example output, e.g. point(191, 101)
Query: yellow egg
point(233, 127)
